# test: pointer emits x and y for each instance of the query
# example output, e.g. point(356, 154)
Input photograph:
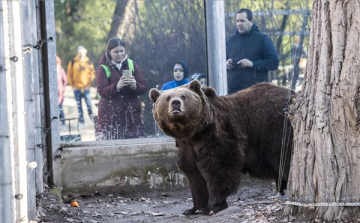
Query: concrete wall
point(129, 166)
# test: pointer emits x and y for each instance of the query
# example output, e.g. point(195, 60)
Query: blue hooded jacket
point(174, 83)
point(259, 49)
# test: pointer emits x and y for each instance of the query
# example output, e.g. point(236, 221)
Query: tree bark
point(325, 164)
point(118, 17)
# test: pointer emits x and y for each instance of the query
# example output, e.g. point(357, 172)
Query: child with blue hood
point(180, 72)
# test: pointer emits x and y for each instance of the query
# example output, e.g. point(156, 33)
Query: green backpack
point(108, 71)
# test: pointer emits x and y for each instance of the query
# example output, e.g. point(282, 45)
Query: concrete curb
point(118, 167)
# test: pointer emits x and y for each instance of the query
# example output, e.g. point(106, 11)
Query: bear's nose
point(176, 104)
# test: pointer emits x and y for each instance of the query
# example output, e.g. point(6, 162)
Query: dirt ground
point(254, 202)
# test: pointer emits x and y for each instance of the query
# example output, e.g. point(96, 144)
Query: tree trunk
point(118, 17)
point(325, 164)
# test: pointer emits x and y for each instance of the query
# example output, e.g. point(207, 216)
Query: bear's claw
point(205, 211)
point(202, 211)
point(191, 211)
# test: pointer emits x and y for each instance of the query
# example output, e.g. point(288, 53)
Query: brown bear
point(221, 138)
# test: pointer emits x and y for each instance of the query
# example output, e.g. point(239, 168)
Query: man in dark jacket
point(250, 54)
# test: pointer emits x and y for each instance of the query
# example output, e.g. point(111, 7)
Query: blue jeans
point(62, 115)
point(86, 95)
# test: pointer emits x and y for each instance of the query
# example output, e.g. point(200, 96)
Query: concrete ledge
point(120, 166)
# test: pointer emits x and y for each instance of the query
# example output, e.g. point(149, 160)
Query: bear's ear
point(154, 94)
point(209, 92)
point(195, 86)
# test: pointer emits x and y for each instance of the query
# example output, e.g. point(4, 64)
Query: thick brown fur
point(219, 138)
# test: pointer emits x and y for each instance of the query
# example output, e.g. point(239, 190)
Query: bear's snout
point(176, 106)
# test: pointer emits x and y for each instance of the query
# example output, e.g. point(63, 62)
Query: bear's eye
point(183, 97)
point(168, 98)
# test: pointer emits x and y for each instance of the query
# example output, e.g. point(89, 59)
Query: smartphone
point(235, 64)
point(127, 73)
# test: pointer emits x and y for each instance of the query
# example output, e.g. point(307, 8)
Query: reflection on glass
point(120, 82)
point(156, 33)
point(287, 23)
point(160, 32)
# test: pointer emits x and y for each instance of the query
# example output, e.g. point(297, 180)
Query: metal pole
point(216, 45)
point(33, 97)
point(50, 89)
point(18, 134)
point(6, 206)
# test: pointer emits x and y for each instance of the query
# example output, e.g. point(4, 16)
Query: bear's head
point(181, 112)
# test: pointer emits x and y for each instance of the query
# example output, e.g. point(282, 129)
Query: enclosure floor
point(254, 202)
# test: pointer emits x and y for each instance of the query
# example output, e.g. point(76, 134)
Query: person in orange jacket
point(81, 73)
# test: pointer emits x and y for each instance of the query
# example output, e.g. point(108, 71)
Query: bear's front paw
point(191, 211)
point(205, 211)
point(213, 209)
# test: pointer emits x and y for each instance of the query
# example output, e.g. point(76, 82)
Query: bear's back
point(257, 112)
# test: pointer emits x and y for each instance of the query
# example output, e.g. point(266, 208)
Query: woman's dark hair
point(112, 43)
point(249, 14)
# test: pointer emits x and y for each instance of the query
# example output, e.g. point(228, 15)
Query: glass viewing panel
point(157, 34)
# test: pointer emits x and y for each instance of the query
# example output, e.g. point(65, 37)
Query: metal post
point(6, 206)
point(51, 94)
point(18, 134)
point(216, 45)
point(33, 96)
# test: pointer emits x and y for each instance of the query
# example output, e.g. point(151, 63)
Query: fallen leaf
point(75, 204)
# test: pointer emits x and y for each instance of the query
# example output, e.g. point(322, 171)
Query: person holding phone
point(119, 82)
point(179, 72)
point(250, 54)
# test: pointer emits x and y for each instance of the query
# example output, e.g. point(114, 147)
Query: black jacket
point(256, 47)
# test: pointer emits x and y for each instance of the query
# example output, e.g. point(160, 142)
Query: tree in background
point(118, 17)
point(325, 170)
point(85, 23)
